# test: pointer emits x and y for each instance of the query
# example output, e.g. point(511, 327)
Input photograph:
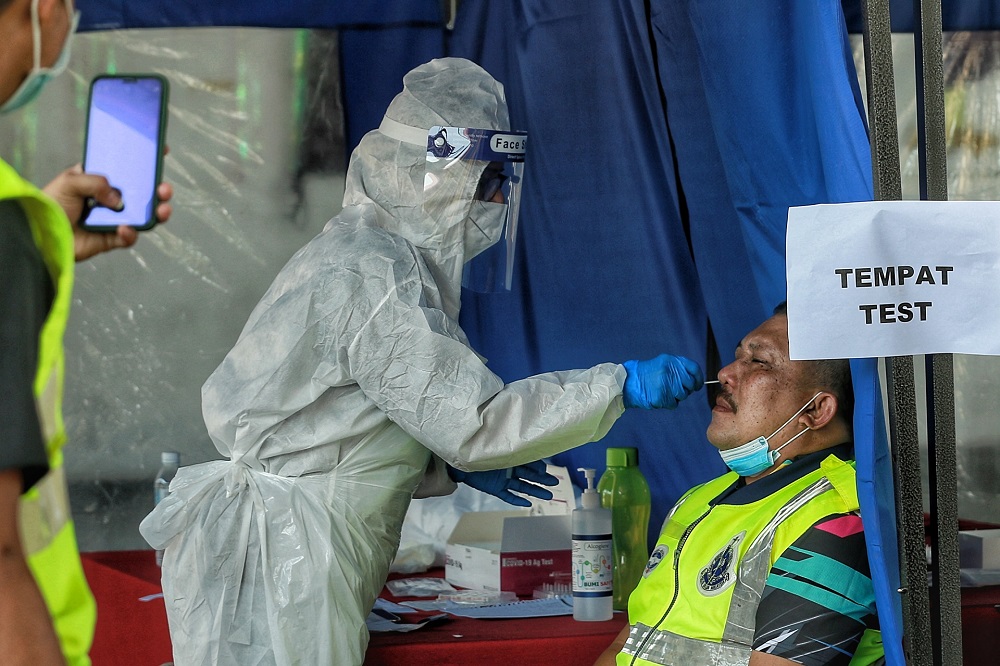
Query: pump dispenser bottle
point(169, 462)
point(592, 557)
point(624, 491)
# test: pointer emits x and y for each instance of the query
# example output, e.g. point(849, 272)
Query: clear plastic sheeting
point(972, 125)
point(256, 160)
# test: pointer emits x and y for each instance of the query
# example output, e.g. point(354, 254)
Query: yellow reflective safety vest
point(46, 523)
point(697, 601)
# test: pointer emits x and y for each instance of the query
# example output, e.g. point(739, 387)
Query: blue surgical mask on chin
point(754, 457)
point(39, 76)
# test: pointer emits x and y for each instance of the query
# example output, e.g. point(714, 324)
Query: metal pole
point(884, 137)
point(902, 392)
point(880, 83)
point(932, 151)
point(945, 589)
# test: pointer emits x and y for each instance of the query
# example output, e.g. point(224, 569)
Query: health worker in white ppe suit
point(352, 388)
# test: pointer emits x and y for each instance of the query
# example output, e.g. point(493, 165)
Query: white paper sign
point(893, 278)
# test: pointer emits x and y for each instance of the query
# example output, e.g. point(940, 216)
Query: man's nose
point(727, 376)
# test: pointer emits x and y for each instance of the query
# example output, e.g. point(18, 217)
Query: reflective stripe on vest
point(48, 400)
point(46, 509)
point(756, 565)
point(653, 646)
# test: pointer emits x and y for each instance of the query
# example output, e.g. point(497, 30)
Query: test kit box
point(508, 551)
point(979, 549)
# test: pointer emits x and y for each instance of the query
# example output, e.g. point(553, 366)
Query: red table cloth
point(132, 627)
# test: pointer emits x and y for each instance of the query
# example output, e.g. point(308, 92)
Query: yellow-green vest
point(717, 560)
point(46, 523)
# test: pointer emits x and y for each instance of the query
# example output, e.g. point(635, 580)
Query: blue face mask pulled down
point(39, 76)
point(754, 457)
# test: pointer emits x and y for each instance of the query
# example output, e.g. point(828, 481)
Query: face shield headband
point(486, 167)
point(754, 457)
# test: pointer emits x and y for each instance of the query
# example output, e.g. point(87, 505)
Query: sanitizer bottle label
point(592, 568)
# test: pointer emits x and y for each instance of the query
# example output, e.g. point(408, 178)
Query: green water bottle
point(624, 491)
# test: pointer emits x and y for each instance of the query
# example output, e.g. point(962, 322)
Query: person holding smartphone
point(47, 613)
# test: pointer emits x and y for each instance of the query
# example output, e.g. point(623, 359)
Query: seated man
point(767, 563)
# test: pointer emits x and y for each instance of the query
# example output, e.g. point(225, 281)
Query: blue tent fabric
point(605, 273)
point(120, 14)
point(876, 494)
point(766, 113)
point(714, 223)
point(373, 61)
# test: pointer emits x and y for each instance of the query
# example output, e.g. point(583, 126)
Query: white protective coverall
point(348, 386)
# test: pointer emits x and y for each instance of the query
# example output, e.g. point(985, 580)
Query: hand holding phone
point(126, 130)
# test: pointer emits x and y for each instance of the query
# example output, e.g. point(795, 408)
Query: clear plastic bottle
point(169, 462)
point(624, 491)
point(592, 557)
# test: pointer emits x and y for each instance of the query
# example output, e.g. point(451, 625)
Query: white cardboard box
point(508, 550)
point(979, 549)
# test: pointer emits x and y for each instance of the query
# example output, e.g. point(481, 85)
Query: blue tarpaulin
point(119, 14)
point(606, 270)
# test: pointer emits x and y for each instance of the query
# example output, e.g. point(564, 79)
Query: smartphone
point(124, 142)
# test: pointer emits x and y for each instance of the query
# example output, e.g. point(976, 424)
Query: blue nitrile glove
point(500, 482)
point(661, 382)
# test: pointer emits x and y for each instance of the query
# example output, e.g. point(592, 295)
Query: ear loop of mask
point(775, 454)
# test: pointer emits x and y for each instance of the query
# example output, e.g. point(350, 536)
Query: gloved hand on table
point(661, 382)
point(500, 482)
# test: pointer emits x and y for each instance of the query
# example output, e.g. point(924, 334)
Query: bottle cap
point(623, 457)
point(170, 458)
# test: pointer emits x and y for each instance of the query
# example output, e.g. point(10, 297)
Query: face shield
point(488, 167)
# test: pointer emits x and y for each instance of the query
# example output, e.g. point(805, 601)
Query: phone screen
point(123, 144)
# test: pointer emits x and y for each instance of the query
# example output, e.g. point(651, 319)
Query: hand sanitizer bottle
point(169, 462)
point(592, 557)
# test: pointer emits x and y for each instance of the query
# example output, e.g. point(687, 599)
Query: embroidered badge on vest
point(654, 560)
point(721, 571)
